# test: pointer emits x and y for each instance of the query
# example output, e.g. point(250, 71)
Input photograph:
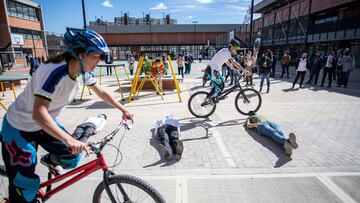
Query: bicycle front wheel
point(198, 107)
point(126, 188)
point(4, 184)
point(248, 100)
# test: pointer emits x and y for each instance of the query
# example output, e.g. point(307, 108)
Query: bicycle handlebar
point(93, 145)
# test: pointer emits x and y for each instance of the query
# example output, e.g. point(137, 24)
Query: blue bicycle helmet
point(87, 39)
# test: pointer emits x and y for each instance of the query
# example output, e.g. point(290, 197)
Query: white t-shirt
point(99, 122)
point(51, 82)
point(302, 65)
point(219, 59)
point(168, 120)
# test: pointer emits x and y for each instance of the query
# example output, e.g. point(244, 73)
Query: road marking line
point(184, 189)
point(335, 189)
point(178, 189)
point(224, 151)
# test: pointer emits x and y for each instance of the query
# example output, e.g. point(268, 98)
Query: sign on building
point(17, 39)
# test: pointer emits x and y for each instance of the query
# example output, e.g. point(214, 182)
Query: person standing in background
point(131, 62)
point(301, 70)
point(285, 62)
point(346, 66)
point(180, 62)
point(330, 63)
point(265, 68)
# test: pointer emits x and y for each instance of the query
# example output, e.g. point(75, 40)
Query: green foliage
point(147, 66)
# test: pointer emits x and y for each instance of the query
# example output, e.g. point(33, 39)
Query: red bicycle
point(113, 188)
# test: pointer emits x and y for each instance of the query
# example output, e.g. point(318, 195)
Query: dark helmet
point(235, 43)
point(87, 39)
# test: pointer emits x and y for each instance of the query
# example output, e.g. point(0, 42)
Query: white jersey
point(219, 59)
point(168, 120)
point(99, 122)
point(51, 82)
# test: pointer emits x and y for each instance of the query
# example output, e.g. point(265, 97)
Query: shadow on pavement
point(155, 143)
point(270, 145)
point(102, 105)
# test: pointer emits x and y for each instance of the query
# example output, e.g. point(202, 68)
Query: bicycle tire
point(131, 180)
point(212, 110)
point(241, 94)
point(3, 183)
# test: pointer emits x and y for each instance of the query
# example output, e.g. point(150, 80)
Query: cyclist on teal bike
point(31, 119)
point(215, 65)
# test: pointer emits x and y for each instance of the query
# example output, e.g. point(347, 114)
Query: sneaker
point(288, 148)
point(208, 101)
point(164, 152)
point(267, 91)
point(292, 140)
point(56, 170)
point(179, 150)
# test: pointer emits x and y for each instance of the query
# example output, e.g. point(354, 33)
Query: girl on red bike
point(31, 119)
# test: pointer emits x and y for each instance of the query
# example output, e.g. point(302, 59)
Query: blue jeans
point(270, 129)
point(265, 76)
point(218, 82)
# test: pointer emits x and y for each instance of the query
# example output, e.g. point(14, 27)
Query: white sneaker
point(288, 148)
point(292, 140)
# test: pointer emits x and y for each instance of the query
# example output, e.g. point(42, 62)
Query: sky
point(68, 13)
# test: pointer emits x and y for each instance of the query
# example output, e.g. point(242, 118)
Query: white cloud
point(160, 6)
point(189, 17)
point(204, 1)
point(107, 3)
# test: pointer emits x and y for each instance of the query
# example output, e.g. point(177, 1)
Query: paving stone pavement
point(222, 161)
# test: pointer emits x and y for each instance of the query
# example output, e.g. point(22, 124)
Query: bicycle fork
point(107, 175)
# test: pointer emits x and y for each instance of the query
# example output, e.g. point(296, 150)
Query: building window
point(23, 11)
point(28, 34)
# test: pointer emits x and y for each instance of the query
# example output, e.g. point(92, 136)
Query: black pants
point(285, 68)
point(273, 67)
point(343, 78)
point(187, 68)
point(301, 75)
point(249, 78)
point(19, 151)
point(108, 70)
point(169, 136)
point(131, 72)
point(314, 76)
point(181, 71)
point(329, 72)
point(230, 73)
point(84, 131)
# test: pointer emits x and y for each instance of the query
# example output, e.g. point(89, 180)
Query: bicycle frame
point(228, 91)
point(82, 171)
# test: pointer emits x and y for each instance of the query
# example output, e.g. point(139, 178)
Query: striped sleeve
point(46, 82)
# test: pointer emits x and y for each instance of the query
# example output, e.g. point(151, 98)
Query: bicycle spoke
point(248, 100)
point(198, 107)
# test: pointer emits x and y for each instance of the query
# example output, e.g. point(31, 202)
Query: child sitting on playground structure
point(157, 72)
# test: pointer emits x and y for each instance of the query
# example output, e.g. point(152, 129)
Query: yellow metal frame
point(1, 104)
point(82, 92)
point(135, 91)
point(175, 79)
point(2, 89)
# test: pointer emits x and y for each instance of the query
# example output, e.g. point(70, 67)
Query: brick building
point(306, 25)
point(194, 38)
point(21, 31)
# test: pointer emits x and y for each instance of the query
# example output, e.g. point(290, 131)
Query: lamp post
point(251, 22)
point(83, 10)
